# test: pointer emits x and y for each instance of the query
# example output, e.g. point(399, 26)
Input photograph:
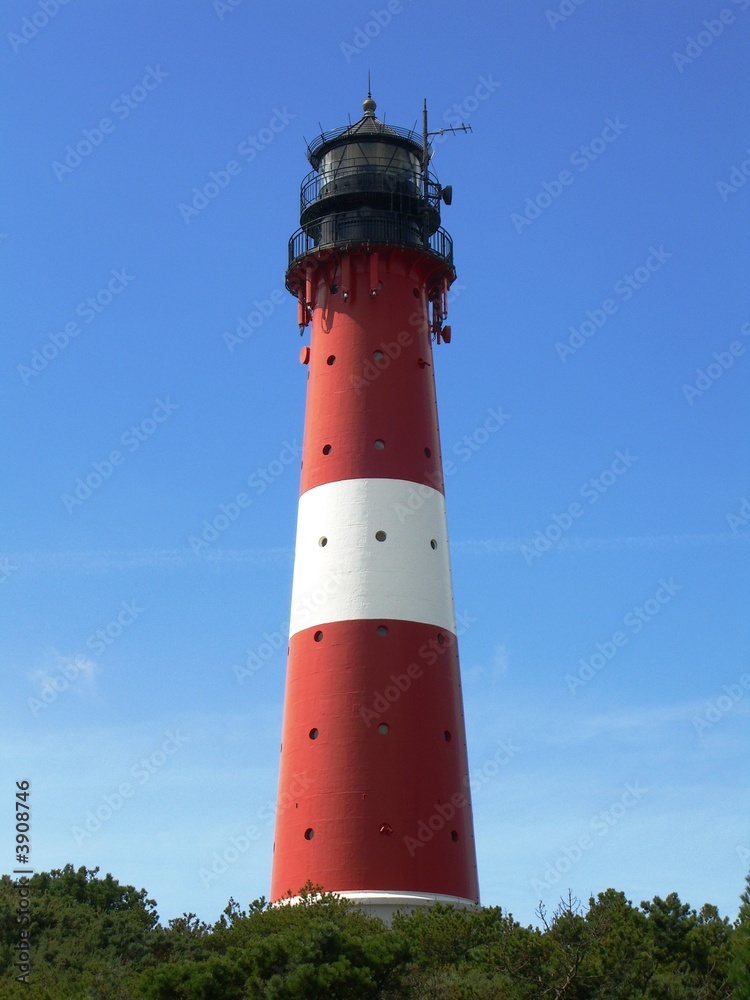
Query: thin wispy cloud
point(635, 725)
point(500, 661)
point(117, 560)
point(491, 546)
point(59, 672)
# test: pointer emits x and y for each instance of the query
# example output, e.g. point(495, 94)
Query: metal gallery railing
point(350, 229)
point(365, 177)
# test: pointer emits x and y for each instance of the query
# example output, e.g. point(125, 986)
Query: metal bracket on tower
point(346, 277)
point(374, 282)
point(303, 313)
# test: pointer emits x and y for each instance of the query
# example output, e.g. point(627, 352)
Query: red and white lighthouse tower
point(373, 789)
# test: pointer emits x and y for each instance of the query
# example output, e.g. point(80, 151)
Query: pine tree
point(739, 973)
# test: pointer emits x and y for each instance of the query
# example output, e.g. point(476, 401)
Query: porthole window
point(383, 728)
point(378, 356)
point(331, 359)
point(313, 734)
point(427, 453)
point(326, 449)
point(447, 736)
point(433, 543)
point(380, 536)
point(318, 636)
point(309, 833)
point(379, 444)
point(415, 292)
point(440, 638)
point(382, 630)
point(454, 835)
point(322, 541)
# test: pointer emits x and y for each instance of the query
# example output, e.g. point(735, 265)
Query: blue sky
point(599, 530)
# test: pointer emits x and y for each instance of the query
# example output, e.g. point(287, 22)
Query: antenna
point(453, 128)
point(425, 161)
point(463, 127)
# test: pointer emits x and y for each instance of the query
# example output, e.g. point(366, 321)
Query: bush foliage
point(90, 937)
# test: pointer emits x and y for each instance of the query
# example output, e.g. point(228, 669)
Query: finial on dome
point(368, 105)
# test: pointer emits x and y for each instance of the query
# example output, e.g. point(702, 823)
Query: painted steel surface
point(371, 375)
point(373, 789)
point(374, 742)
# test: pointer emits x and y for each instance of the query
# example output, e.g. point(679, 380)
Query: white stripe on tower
point(372, 548)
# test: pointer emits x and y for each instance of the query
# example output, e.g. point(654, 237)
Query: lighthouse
point(374, 800)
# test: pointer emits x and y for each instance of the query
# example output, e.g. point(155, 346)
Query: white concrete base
point(385, 904)
point(377, 903)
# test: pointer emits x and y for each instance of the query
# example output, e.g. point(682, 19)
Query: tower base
point(382, 904)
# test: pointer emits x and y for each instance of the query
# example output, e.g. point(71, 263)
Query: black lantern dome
point(370, 185)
